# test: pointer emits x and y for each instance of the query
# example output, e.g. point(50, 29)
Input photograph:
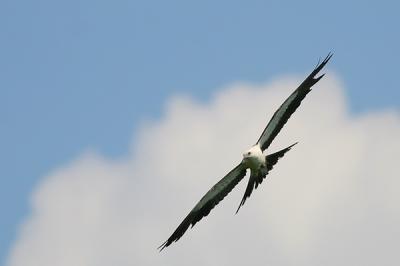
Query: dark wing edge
point(273, 158)
point(249, 189)
point(256, 179)
point(289, 106)
point(207, 203)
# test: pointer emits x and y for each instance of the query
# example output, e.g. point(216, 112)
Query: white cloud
point(333, 199)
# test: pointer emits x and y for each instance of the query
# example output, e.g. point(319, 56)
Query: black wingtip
point(293, 145)
point(319, 61)
point(315, 80)
point(327, 58)
point(240, 205)
point(320, 65)
point(163, 245)
point(311, 78)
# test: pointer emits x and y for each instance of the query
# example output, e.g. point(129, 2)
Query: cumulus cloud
point(333, 199)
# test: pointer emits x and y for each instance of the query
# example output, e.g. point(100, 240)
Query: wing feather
point(289, 106)
point(208, 202)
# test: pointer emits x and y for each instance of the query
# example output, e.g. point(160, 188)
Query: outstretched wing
point(282, 115)
point(207, 203)
point(257, 178)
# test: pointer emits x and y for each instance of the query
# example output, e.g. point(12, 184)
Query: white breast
point(254, 157)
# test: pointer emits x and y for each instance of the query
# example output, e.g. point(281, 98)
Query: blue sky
point(79, 75)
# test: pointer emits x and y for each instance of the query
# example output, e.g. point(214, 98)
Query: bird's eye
point(248, 153)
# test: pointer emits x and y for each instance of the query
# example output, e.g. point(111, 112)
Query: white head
point(253, 157)
point(254, 151)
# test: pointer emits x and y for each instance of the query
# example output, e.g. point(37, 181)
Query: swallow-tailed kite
point(254, 159)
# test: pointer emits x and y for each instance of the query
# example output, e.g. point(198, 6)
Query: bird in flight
point(253, 159)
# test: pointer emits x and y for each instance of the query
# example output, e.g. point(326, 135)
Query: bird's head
point(252, 152)
point(246, 155)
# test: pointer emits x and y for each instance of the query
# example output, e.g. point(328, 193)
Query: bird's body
point(253, 159)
